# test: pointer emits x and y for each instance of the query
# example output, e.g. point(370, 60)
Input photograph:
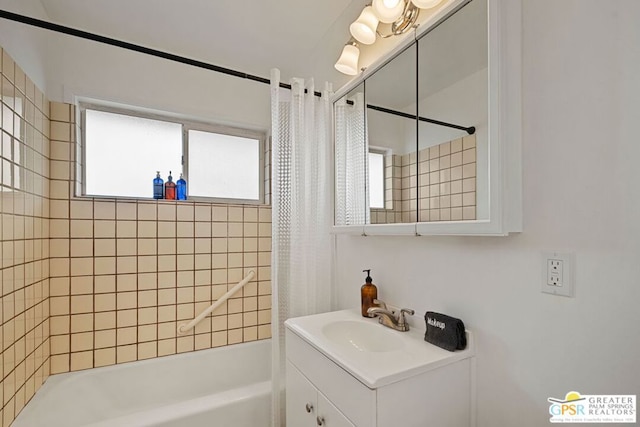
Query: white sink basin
point(362, 336)
point(372, 353)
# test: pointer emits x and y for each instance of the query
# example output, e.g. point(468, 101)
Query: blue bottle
point(181, 188)
point(158, 187)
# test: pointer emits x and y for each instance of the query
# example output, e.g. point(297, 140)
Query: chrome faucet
point(388, 318)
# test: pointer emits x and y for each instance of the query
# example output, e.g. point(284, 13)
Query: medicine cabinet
point(427, 139)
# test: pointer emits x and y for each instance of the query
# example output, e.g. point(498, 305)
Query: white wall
point(463, 103)
point(83, 68)
point(26, 45)
point(66, 67)
point(580, 159)
point(391, 132)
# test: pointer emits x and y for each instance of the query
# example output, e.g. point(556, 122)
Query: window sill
point(191, 201)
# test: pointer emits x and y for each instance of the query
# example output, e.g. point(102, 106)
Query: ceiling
point(251, 37)
point(302, 38)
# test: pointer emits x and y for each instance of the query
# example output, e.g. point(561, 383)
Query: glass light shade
point(388, 11)
point(426, 4)
point(364, 28)
point(348, 61)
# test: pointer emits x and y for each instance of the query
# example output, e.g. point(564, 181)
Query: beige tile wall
point(126, 273)
point(439, 184)
point(409, 185)
point(123, 273)
point(447, 181)
point(24, 207)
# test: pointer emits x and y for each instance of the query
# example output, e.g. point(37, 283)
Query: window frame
point(230, 131)
point(187, 125)
point(384, 152)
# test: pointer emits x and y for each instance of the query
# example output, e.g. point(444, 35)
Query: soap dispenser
point(158, 187)
point(170, 188)
point(369, 293)
point(181, 189)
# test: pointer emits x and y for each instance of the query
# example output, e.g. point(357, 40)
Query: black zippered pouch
point(445, 331)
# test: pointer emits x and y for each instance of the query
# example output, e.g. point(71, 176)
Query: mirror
point(426, 146)
point(453, 88)
point(391, 125)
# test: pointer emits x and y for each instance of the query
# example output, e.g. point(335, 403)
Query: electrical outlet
point(555, 268)
point(557, 273)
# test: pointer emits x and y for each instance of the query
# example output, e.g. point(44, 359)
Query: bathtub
point(226, 387)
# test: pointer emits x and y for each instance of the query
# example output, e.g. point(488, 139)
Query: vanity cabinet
point(321, 392)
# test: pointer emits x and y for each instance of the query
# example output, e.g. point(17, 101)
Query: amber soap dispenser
point(368, 293)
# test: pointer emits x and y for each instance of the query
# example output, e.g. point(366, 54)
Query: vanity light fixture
point(400, 15)
point(365, 27)
point(348, 61)
point(388, 11)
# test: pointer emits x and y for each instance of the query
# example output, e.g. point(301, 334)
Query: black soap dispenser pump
point(368, 294)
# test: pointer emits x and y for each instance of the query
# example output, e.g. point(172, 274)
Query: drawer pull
point(320, 421)
point(309, 408)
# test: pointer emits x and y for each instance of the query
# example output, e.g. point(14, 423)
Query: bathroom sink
point(362, 336)
point(372, 353)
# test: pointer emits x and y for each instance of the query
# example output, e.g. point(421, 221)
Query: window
point(376, 180)
point(223, 166)
point(123, 150)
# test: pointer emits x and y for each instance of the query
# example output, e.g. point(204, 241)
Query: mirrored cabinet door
point(392, 127)
point(453, 109)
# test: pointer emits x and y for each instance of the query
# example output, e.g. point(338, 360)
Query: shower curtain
point(352, 161)
point(302, 213)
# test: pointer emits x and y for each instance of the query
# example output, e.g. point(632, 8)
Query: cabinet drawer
point(356, 401)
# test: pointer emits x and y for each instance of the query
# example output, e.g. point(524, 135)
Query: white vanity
point(347, 370)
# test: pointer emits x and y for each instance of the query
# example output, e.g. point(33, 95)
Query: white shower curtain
point(352, 161)
point(302, 213)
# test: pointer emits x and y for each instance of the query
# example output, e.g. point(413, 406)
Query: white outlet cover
point(567, 287)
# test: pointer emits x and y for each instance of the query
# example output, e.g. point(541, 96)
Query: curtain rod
point(470, 130)
point(183, 60)
point(134, 47)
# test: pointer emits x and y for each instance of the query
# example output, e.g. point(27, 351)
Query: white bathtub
point(226, 387)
